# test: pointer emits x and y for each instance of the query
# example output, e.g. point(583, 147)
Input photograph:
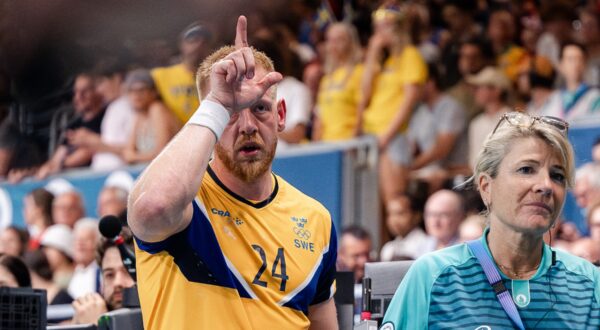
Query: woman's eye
point(558, 177)
point(525, 170)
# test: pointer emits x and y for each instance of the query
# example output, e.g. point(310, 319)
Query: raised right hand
point(232, 80)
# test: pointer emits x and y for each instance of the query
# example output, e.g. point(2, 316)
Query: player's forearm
point(161, 195)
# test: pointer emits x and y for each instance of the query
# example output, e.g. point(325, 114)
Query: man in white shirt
point(86, 277)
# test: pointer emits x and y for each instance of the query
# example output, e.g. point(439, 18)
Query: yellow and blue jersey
point(240, 264)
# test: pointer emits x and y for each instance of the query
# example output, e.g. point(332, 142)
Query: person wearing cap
point(89, 113)
point(491, 92)
point(86, 275)
point(57, 244)
point(154, 124)
point(576, 99)
point(117, 123)
point(176, 84)
point(112, 200)
point(390, 90)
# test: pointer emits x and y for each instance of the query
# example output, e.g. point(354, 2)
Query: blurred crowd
point(429, 79)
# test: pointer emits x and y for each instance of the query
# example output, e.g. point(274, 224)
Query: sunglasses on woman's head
point(520, 119)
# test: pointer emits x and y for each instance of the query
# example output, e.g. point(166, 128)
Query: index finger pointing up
point(241, 33)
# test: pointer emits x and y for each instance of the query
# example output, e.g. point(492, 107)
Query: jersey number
point(279, 261)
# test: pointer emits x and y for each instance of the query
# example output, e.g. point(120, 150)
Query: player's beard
point(247, 169)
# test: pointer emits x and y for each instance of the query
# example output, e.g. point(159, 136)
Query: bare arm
point(294, 135)
point(372, 68)
point(323, 316)
point(160, 201)
point(440, 150)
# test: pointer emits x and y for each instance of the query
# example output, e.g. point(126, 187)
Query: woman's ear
point(485, 188)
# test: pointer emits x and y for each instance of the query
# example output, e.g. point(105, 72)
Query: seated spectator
point(86, 274)
point(67, 208)
point(114, 280)
point(593, 221)
point(13, 241)
point(404, 215)
point(442, 147)
point(587, 187)
point(89, 111)
point(474, 54)
point(501, 31)
point(112, 201)
point(41, 278)
point(471, 228)
point(13, 272)
point(535, 83)
point(37, 213)
point(57, 245)
point(596, 151)
point(338, 96)
point(354, 251)
point(176, 84)
point(444, 212)
point(491, 93)
point(154, 124)
point(576, 99)
point(587, 249)
point(117, 124)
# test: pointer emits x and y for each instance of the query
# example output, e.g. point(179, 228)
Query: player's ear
point(281, 111)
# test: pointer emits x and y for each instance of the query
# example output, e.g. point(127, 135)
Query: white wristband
point(211, 115)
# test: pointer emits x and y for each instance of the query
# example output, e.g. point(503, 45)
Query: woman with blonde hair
point(339, 90)
point(509, 278)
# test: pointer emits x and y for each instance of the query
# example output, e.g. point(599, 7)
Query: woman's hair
point(23, 236)
point(38, 264)
point(17, 268)
point(497, 145)
point(354, 48)
point(43, 199)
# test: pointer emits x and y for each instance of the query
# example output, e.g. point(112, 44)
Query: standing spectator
point(67, 208)
point(404, 215)
point(442, 147)
point(444, 212)
point(13, 272)
point(41, 278)
point(354, 251)
point(111, 201)
point(117, 124)
point(176, 84)
point(37, 213)
point(13, 241)
point(491, 93)
point(390, 92)
point(577, 99)
point(154, 124)
point(90, 111)
point(57, 245)
point(86, 276)
point(339, 89)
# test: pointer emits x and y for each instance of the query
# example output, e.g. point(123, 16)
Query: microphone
point(110, 227)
